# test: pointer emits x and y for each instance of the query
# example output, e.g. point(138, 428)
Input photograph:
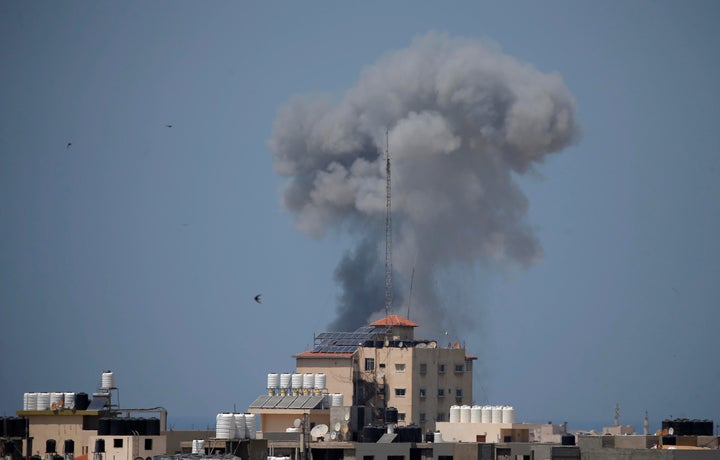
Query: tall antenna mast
point(388, 232)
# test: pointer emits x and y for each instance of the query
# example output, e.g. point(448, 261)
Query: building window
point(422, 392)
point(400, 392)
point(117, 442)
point(458, 392)
point(369, 364)
point(459, 368)
point(401, 416)
point(441, 392)
point(423, 417)
point(423, 368)
point(399, 367)
point(148, 444)
point(441, 368)
point(440, 417)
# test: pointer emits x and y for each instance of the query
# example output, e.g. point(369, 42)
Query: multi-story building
point(383, 365)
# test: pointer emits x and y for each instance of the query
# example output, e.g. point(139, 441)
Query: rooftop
point(394, 320)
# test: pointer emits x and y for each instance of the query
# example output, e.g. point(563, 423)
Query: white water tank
point(296, 381)
point(337, 400)
point(437, 437)
point(308, 381)
point(285, 380)
point(273, 380)
point(250, 426)
point(486, 414)
point(198, 446)
point(107, 381)
point(465, 414)
point(454, 414)
point(508, 414)
point(69, 401)
point(224, 426)
point(43, 401)
point(240, 426)
point(26, 397)
point(57, 400)
point(475, 414)
point(320, 381)
point(496, 414)
point(32, 401)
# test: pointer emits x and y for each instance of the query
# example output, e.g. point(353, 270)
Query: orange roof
point(316, 354)
point(394, 320)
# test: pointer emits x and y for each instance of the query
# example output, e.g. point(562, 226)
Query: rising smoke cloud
point(463, 118)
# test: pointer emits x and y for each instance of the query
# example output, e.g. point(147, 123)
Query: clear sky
point(139, 247)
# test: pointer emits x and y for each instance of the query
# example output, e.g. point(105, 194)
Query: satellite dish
point(671, 431)
point(339, 437)
point(333, 435)
point(337, 426)
point(297, 423)
point(401, 344)
point(319, 431)
point(346, 416)
point(345, 429)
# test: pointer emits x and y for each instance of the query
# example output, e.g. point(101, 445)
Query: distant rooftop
point(394, 320)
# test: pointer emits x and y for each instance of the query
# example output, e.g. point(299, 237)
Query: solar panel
point(273, 401)
point(346, 342)
point(299, 402)
point(313, 402)
point(286, 401)
point(99, 402)
point(259, 402)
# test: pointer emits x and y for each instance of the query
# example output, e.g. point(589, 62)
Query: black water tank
point(117, 427)
point(669, 440)
point(104, 426)
point(152, 426)
point(3, 431)
point(372, 433)
point(410, 433)
point(50, 446)
point(391, 415)
point(567, 440)
point(15, 427)
point(99, 445)
point(69, 446)
point(9, 448)
point(81, 401)
point(139, 426)
point(36, 457)
point(429, 436)
point(57, 457)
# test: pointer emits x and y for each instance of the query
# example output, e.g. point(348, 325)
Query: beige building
point(383, 365)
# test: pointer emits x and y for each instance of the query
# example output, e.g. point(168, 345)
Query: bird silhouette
point(168, 126)
point(258, 298)
point(69, 144)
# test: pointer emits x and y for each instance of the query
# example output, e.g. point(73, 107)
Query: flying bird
point(257, 298)
point(168, 126)
point(69, 144)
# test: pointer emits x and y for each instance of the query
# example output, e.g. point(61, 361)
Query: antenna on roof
point(388, 231)
point(412, 278)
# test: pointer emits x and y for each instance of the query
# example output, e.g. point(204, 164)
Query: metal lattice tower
point(388, 232)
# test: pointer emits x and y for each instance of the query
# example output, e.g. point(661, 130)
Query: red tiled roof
point(315, 354)
point(394, 320)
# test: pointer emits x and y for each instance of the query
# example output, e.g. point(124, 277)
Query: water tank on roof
point(69, 446)
point(56, 400)
point(508, 414)
point(240, 426)
point(16, 427)
point(273, 380)
point(103, 427)
point(250, 426)
point(285, 380)
point(486, 414)
point(50, 446)
point(320, 381)
point(496, 413)
point(224, 426)
point(82, 401)
point(465, 412)
point(371, 433)
point(43, 401)
point(99, 445)
point(308, 381)
point(391, 415)
point(69, 401)
point(296, 381)
point(107, 380)
point(454, 414)
point(337, 399)
point(475, 414)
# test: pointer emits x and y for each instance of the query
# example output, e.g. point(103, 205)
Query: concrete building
point(383, 365)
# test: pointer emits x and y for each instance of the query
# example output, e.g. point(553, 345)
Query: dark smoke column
point(462, 118)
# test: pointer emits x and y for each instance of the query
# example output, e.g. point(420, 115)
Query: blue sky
point(140, 247)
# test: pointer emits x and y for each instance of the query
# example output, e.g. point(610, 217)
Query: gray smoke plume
point(463, 118)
